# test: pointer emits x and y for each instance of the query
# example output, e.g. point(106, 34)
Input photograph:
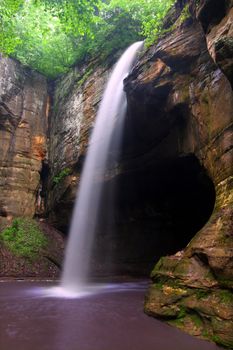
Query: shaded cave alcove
point(157, 211)
point(42, 190)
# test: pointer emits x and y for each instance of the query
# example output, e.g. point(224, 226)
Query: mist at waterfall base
point(88, 317)
point(107, 130)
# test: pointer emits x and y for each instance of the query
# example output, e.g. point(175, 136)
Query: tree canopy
point(51, 35)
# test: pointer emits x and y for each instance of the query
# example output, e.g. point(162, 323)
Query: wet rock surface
point(193, 288)
point(180, 107)
point(175, 174)
point(75, 102)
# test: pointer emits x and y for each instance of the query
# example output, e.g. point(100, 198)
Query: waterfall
point(85, 215)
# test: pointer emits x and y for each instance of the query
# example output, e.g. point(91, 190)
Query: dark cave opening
point(42, 190)
point(158, 210)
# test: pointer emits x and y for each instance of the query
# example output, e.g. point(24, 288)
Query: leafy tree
point(115, 30)
point(149, 13)
point(51, 35)
point(8, 39)
point(76, 16)
point(44, 45)
point(45, 34)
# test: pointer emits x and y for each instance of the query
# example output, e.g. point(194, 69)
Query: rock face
point(132, 233)
point(75, 101)
point(181, 105)
point(24, 107)
point(23, 138)
point(173, 184)
point(175, 173)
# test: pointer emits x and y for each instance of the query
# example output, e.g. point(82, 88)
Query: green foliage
point(85, 76)
point(223, 342)
point(205, 333)
point(59, 177)
point(178, 322)
point(226, 296)
point(150, 15)
point(115, 30)
point(76, 16)
point(8, 38)
point(202, 294)
point(182, 312)
point(51, 35)
point(48, 49)
point(185, 14)
point(196, 320)
point(24, 238)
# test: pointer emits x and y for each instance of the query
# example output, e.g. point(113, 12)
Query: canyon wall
point(24, 109)
point(184, 84)
point(75, 101)
point(174, 178)
point(23, 138)
point(173, 182)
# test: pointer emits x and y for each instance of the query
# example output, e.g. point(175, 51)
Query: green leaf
point(51, 35)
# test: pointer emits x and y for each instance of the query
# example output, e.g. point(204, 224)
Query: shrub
point(60, 176)
point(24, 238)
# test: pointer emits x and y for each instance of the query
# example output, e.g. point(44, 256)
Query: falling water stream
point(85, 216)
point(113, 318)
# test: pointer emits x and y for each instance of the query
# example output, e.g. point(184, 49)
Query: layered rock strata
point(23, 138)
point(75, 101)
point(184, 83)
point(177, 146)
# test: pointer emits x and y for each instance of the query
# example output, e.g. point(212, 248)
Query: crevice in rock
point(202, 258)
point(53, 261)
point(42, 190)
point(211, 12)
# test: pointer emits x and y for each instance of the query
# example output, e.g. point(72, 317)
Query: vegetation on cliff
point(51, 35)
point(24, 238)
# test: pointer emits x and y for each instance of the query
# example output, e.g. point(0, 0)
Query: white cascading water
point(85, 216)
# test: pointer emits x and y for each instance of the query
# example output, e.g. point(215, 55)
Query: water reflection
point(111, 319)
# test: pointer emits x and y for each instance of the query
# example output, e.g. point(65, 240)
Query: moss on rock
point(24, 238)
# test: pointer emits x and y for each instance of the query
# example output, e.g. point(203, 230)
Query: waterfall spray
point(85, 215)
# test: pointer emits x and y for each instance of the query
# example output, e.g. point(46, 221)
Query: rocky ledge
point(184, 84)
point(174, 192)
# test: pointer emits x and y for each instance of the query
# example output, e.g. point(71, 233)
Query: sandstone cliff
point(184, 82)
point(75, 101)
point(24, 107)
point(173, 183)
point(23, 135)
point(175, 174)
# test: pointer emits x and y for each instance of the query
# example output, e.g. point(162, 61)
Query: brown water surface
point(112, 319)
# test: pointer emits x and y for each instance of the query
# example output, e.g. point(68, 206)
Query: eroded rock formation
point(76, 98)
point(23, 138)
point(24, 107)
point(175, 173)
point(183, 84)
point(173, 183)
